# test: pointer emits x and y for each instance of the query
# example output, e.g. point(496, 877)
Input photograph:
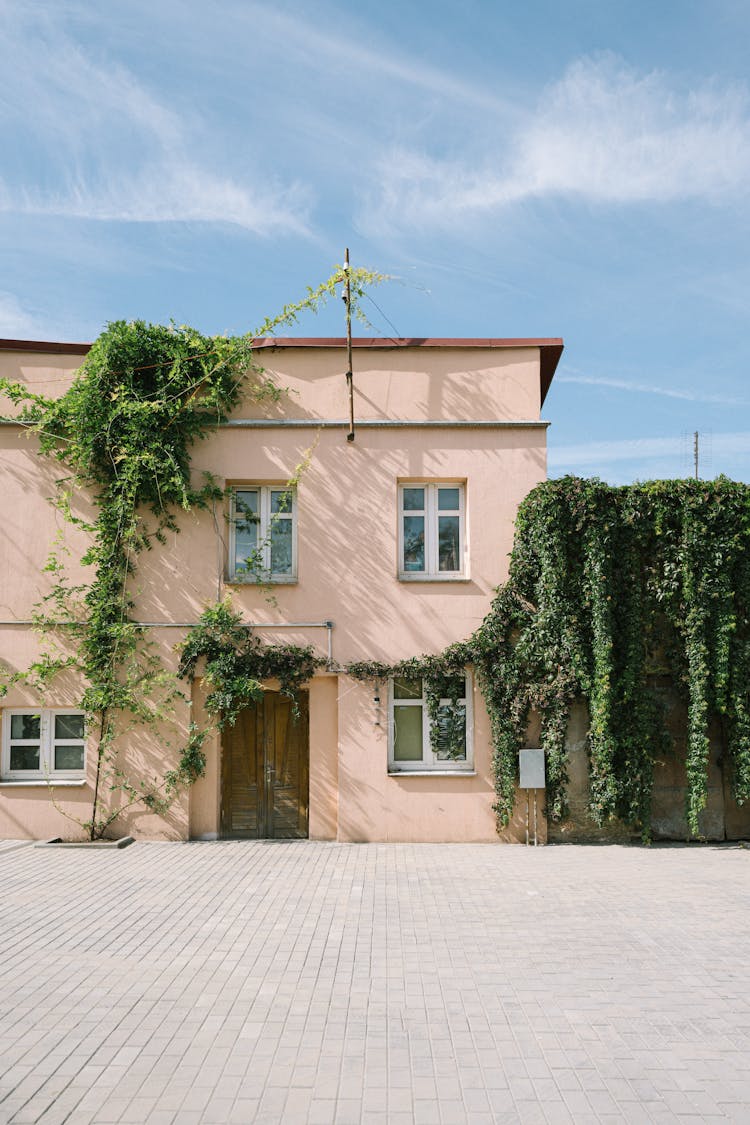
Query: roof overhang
point(550, 348)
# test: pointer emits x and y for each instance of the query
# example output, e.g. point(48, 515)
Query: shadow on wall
point(347, 539)
point(722, 819)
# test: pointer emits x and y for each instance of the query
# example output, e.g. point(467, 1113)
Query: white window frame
point(430, 763)
point(47, 743)
point(431, 513)
point(266, 518)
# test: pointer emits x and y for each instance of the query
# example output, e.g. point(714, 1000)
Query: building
point(388, 546)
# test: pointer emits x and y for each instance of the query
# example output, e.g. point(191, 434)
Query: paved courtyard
point(383, 983)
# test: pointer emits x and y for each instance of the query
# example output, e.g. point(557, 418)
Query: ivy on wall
point(123, 432)
point(607, 586)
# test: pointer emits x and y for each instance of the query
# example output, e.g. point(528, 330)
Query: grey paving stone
point(375, 984)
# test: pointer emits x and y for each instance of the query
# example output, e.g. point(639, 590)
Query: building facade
point(385, 547)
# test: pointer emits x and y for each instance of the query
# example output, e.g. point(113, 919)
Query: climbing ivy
point(124, 433)
point(607, 586)
point(441, 676)
point(237, 661)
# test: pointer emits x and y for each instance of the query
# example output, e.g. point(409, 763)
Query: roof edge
point(54, 347)
point(550, 347)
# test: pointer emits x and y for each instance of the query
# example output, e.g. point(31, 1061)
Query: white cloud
point(168, 191)
point(112, 149)
point(631, 387)
point(16, 323)
point(603, 133)
point(384, 62)
point(647, 457)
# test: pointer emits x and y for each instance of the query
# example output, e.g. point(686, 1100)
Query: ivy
point(237, 661)
point(124, 433)
point(442, 677)
point(607, 586)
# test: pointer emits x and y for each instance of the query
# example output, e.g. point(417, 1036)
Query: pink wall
point(347, 534)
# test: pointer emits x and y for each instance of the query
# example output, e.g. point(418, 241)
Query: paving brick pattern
point(382, 984)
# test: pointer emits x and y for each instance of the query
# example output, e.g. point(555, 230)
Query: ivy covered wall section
point(607, 586)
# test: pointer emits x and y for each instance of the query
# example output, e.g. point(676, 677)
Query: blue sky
point(542, 169)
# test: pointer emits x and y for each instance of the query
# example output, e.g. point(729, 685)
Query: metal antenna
point(349, 373)
point(695, 453)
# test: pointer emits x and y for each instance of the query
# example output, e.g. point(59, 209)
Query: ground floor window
point(43, 744)
point(430, 729)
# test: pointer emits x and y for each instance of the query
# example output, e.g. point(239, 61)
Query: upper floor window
point(263, 534)
point(430, 733)
point(43, 744)
point(432, 531)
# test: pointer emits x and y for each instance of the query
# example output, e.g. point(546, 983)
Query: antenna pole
point(695, 453)
point(349, 373)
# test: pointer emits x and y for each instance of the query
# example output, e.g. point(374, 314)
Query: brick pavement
point(386, 984)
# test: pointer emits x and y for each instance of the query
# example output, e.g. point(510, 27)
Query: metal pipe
point(349, 371)
point(366, 423)
point(385, 423)
point(192, 624)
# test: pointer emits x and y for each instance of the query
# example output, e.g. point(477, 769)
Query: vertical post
point(349, 373)
point(695, 452)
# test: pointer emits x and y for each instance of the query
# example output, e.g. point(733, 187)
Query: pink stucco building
point(389, 546)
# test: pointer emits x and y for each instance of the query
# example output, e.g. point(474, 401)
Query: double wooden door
point(265, 767)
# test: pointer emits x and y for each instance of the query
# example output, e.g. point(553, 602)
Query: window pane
point(281, 547)
point(448, 500)
point(414, 543)
point(451, 687)
point(25, 726)
point(449, 557)
point(281, 501)
point(414, 499)
point(24, 757)
point(246, 505)
point(245, 548)
point(407, 689)
point(68, 726)
point(407, 734)
point(448, 734)
point(68, 757)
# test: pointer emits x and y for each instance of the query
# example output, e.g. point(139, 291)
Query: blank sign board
point(531, 769)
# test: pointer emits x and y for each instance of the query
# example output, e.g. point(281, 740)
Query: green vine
point(442, 677)
point(605, 585)
point(237, 661)
point(124, 432)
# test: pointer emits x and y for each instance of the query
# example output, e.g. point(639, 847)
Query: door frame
point(264, 716)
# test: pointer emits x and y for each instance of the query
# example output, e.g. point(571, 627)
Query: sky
point(540, 169)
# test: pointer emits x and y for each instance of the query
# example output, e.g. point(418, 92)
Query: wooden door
point(265, 762)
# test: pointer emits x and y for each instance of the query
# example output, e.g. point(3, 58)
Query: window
point(431, 531)
point(263, 534)
point(415, 743)
point(40, 744)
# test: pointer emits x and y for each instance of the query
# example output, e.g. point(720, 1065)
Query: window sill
point(234, 581)
point(432, 773)
point(40, 783)
point(433, 578)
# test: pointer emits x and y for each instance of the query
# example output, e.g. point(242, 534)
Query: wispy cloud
point(604, 133)
point(633, 387)
point(642, 453)
point(321, 49)
point(16, 322)
point(167, 191)
point(112, 149)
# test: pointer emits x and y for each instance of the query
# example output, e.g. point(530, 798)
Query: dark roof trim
point(550, 348)
point(52, 347)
